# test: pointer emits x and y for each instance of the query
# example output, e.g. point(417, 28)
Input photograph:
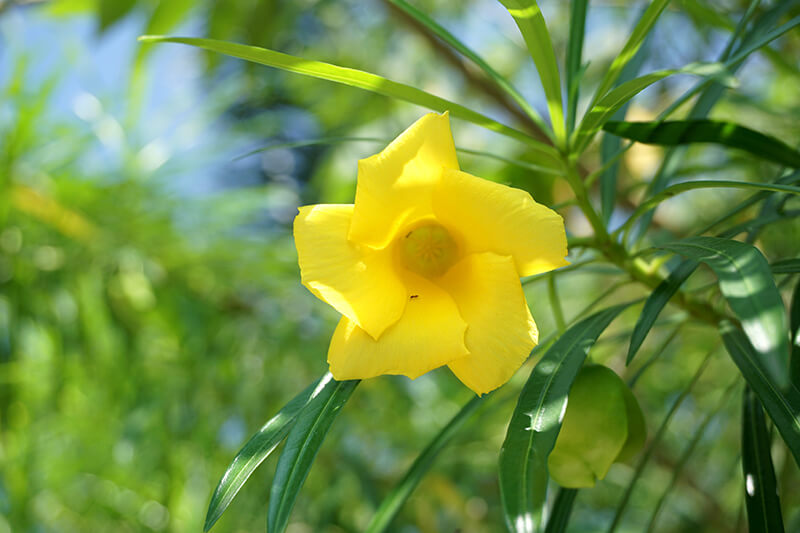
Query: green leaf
point(562, 509)
point(673, 190)
point(640, 31)
point(782, 406)
point(656, 302)
point(760, 487)
point(467, 52)
point(677, 470)
point(536, 420)
point(577, 29)
point(600, 113)
point(610, 144)
point(394, 501)
point(678, 132)
point(648, 452)
point(594, 429)
point(533, 28)
point(258, 448)
point(302, 445)
point(637, 427)
point(710, 93)
point(110, 11)
point(746, 282)
point(794, 331)
point(787, 266)
point(361, 80)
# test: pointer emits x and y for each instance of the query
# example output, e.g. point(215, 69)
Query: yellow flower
point(425, 266)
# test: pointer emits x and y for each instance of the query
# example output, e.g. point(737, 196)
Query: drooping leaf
point(536, 420)
point(782, 406)
point(729, 134)
point(747, 284)
point(470, 54)
point(533, 28)
point(760, 487)
point(392, 503)
point(302, 445)
point(656, 302)
point(594, 429)
point(258, 448)
point(361, 80)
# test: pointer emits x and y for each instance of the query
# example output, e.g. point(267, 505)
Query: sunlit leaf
point(760, 486)
point(600, 113)
point(536, 420)
point(467, 52)
point(361, 80)
point(782, 406)
point(302, 444)
point(533, 28)
point(637, 36)
point(258, 448)
point(678, 132)
point(392, 503)
point(746, 282)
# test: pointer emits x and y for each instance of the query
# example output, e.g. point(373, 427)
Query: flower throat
point(428, 250)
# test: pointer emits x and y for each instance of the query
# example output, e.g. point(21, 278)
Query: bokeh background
point(151, 314)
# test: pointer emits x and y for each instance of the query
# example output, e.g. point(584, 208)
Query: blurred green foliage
point(151, 315)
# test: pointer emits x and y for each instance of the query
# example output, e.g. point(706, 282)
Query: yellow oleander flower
point(425, 265)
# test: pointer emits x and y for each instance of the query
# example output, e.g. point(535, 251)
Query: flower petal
point(500, 332)
point(357, 281)
point(428, 335)
point(495, 218)
point(395, 186)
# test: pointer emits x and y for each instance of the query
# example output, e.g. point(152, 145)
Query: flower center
point(428, 250)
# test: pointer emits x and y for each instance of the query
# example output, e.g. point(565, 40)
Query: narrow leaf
point(302, 445)
point(361, 80)
point(787, 266)
point(394, 501)
point(577, 29)
point(533, 28)
point(746, 282)
point(467, 52)
point(611, 144)
point(794, 331)
point(782, 406)
point(760, 486)
point(606, 106)
point(656, 302)
point(639, 33)
point(258, 448)
point(536, 421)
point(678, 132)
point(562, 509)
